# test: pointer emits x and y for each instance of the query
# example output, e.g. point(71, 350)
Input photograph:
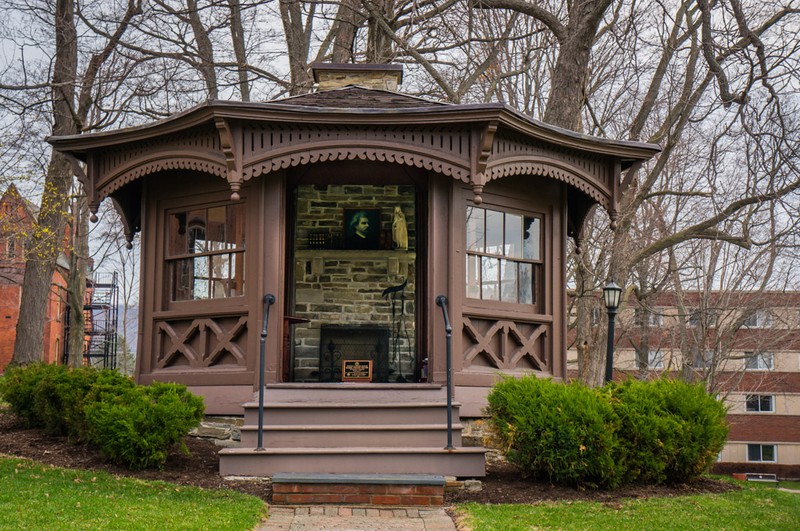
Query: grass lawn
point(36, 496)
point(753, 507)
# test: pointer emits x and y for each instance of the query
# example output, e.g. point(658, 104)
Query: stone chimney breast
point(331, 76)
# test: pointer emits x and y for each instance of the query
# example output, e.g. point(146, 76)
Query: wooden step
point(344, 435)
point(303, 413)
point(459, 462)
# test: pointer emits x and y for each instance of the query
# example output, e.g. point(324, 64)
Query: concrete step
point(345, 435)
point(459, 462)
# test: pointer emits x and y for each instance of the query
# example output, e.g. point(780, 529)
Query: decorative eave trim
point(375, 151)
point(168, 160)
point(553, 168)
point(482, 140)
point(233, 158)
point(214, 110)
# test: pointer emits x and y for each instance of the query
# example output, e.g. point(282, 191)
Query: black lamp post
point(611, 296)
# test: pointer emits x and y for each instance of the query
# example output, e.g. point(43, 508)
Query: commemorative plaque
point(357, 370)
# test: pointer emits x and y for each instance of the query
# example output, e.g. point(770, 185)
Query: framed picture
point(362, 228)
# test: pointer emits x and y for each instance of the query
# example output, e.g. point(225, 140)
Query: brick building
point(745, 345)
point(17, 218)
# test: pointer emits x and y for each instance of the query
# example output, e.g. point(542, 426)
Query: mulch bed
point(503, 483)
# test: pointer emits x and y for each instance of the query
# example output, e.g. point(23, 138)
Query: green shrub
point(138, 426)
point(664, 431)
point(671, 431)
point(18, 388)
point(561, 433)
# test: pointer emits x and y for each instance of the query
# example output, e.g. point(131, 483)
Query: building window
point(11, 248)
point(705, 359)
point(205, 252)
point(759, 319)
point(761, 453)
point(642, 317)
point(760, 403)
point(759, 361)
point(651, 360)
point(504, 255)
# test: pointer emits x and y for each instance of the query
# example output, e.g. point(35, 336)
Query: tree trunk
point(77, 282)
point(237, 37)
point(48, 237)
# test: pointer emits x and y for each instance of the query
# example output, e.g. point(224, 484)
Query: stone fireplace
point(359, 293)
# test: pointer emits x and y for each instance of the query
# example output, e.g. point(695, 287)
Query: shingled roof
point(356, 97)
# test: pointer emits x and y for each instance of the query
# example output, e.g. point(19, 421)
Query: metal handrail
point(441, 300)
point(269, 300)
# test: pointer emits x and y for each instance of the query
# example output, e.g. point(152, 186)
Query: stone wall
point(335, 286)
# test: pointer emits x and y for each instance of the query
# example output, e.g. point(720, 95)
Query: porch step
point(460, 462)
point(352, 429)
point(345, 435)
point(358, 489)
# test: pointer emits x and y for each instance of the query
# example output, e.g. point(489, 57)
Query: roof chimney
point(375, 76)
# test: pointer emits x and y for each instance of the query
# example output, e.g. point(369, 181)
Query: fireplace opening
point(340, 343)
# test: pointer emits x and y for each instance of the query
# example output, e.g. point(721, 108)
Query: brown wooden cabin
point(238, 200)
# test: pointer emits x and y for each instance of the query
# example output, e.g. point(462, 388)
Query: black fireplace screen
point(353, 342)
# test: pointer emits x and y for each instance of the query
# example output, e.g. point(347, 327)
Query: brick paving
point(317, 518)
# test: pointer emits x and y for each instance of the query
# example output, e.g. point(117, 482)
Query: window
point(759, 319)
point(654, 360)
point(642, 317)
point(760, 403)
point(11, 248)
point(759, 361)
point(503, 255)
point(693, 318)
point(205, 252)
point(705, 359)
point(761, 453)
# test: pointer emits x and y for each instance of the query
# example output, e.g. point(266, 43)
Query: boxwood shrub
point(132, 425)
point(657, 432)
point(560, 433)
point(139, 426)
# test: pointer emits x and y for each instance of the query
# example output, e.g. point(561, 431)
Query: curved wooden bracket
point(481, 142)
point(233, 159)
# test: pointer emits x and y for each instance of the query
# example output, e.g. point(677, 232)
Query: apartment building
point(744, 345)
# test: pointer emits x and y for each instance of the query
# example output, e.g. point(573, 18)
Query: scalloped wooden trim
point(302, 155)
point(550, 168)
point(137, 170)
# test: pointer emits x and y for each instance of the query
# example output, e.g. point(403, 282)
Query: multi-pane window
point(760, 403)
point(652, 359)
point(759, 361)
point(759, 319)
point(761, 452)
point(642, 317)
point(205, 252)
point(504, 255)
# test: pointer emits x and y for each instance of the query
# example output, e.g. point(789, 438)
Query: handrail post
point(269, 300)
point(441, 300)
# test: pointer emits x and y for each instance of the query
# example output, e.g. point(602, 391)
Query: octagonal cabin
point(355, 207)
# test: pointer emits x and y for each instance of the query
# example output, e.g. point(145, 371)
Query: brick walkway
point(356, 519)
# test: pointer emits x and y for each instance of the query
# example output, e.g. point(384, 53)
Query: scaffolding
point(100, 310)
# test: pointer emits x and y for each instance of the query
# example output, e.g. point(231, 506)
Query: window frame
point(762, 318)
point(537, 265)
point(761, 453)
point(759, 356)
point(205, 202)
point(759, 401)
